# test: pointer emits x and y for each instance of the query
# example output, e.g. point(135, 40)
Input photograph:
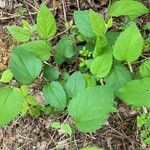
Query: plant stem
point(130, 68)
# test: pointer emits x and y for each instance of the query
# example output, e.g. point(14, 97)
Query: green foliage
point(89, 80)
point(50, 73)
point(82, 22)
point(136, 92)
point(134, 10)
point(145, 69)
point(101, 65)
point(20, 33)
point(55, 95)
point(118, 76)
point(129, 44)
point(90, 23)
point(46, 25)
point(24, 65)
point(97, 23)
point(6, 76)
point(10, 105)
point(143, 122)
point(74, 84)
point(65, 127)
point(73, 71)
point(90, 108)
point(40, 48)
point(64, 49)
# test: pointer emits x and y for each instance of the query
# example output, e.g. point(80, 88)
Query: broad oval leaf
point(19, 33)
point(11, 104)
point(90, 108)
point(145, 69)
point(74, 84)
point(97, 22)
point(82, 22)
point(46, 24)
point(101, 65)
point(118, 77)
point(55, 95)
point(136, 92)
point(129, 44)
point(24, 65)
point(134, 10)
point(40, 48)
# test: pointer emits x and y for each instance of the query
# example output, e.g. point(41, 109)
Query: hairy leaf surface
point(10, 105)
point(136, 92)
point(74, 84)
point(133, 9)
point(46, 24)
point(55, 95)
point(129, 44)
point(90, 108)
point(145, 69)
point(24, 65)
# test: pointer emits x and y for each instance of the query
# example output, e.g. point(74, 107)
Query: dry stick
point(16, 16)
point(37, 6)
point(64, 11)
point(78, 5)
point(29, 11)
point(36, 9)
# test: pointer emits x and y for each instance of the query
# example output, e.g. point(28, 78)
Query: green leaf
point(40, 48)
point(82, 21)
point(24, 65)
point(101, 65)
point(134, 10)
point(56, 125)
point(50, 73)
point(25, 90)
point(66, 128)
point(55, 95)
point(129, 44)
point(7, 76)
point(111, 37)
point(90, 108)
point(31, 100)
point(97, 22)
point(118, 77)
point(99, 46)
point(10, 105)
point(46, 24)
point(90, 80)
point(19, 33)
point(74, 84)
point(136, 92)
point(145, 69)
point(64, 48)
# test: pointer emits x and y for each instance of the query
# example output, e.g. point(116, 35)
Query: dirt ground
point(31, 133)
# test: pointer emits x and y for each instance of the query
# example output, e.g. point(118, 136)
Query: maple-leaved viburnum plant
point(100, 60)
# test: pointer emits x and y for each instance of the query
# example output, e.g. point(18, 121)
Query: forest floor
point(30, 133)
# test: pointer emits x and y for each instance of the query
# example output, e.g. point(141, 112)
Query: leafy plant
point(143, 122)
point(98, 56)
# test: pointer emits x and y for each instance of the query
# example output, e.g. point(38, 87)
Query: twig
point(16, 16)
point(78, 5)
